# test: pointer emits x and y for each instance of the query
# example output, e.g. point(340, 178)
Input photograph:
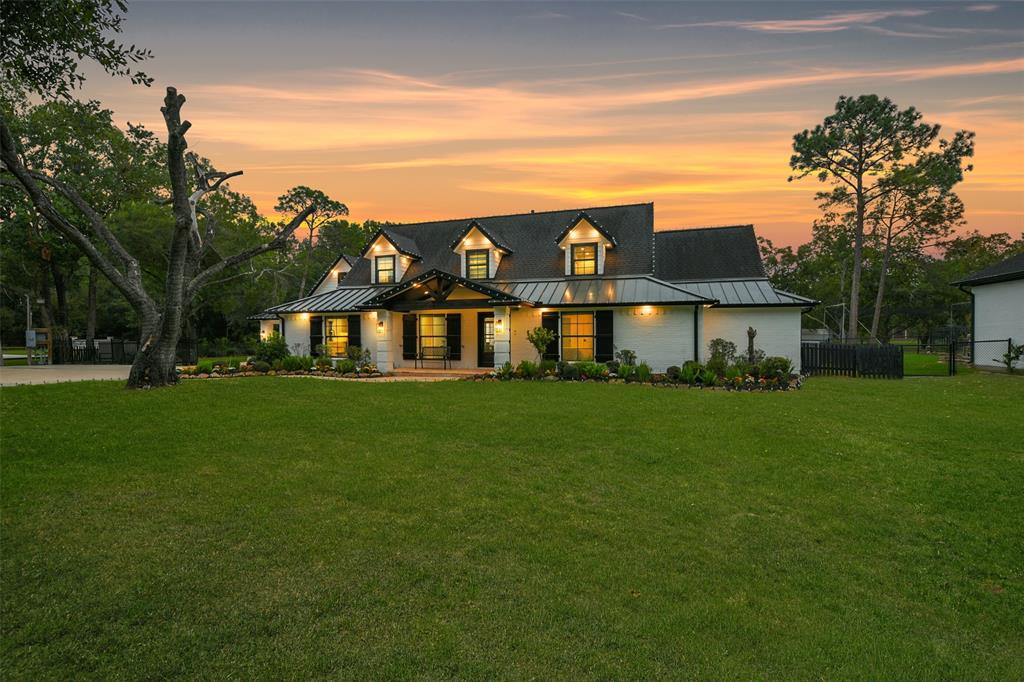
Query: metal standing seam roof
point(346, 299)
point(745, 292)
point(600, 291)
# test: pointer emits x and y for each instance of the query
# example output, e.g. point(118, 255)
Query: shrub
point(528, 370)
point(323, 363)
point(627, 372)
point(359, 355)
point(539, 338)
point(291, 363)
point(505, 372)
point(1011, 357)
point(260, 366)
point(626, 356)
point(673, 373)
point(548, 367)
point(613, 367)
point(708, 378)
point(346, 366)
point(568, 371)
point(270, 349)
point(688, 373)
point(742, 367)
point(204, 367)
point(592, 370)
point(277, 365)
point(775, 367)
point(643, 373)
point(722, 348)
point(734, 372)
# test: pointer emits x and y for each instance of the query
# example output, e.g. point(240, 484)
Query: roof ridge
point(704, 227)
point(516, 215)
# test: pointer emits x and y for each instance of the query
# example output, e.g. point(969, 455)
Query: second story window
point(385, 266)
point(584, 259)
point(477, 264)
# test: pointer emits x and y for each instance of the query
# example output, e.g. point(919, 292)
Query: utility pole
point(28, 328)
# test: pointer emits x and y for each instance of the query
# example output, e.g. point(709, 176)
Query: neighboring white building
point(997, 308)
point(464, 293)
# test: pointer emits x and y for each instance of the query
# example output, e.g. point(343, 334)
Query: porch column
point(502, 335)
point(383, 332)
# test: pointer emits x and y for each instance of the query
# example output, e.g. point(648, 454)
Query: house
point(464, 293)
point(997, 308)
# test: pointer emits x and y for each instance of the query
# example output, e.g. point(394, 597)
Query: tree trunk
point(60, 287)
point(90, 316)
point(305, 266)
point(858, 249)
point(45, 309)
point(880, 297)
point(154, 364)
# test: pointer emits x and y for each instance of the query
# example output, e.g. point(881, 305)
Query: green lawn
point(290, 528)
point(928, 364)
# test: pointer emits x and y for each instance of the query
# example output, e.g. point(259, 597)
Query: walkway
point(56, 374)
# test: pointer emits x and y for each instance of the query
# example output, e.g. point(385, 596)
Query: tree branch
point(279, 240)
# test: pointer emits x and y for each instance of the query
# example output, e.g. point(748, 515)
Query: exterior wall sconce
point(304, 316)
point(499, 325)
point(380, 327)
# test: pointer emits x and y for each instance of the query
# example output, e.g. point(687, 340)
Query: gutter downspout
point(283, 337)
point(696, 337)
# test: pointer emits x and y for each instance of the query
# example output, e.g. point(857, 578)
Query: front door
point(485, 340)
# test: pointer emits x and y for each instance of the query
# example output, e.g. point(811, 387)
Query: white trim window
point(384, 269)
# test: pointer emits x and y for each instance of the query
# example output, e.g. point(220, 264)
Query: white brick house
point(997, 309)
point(466, 292)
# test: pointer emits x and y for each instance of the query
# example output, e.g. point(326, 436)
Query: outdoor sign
point(30, 338)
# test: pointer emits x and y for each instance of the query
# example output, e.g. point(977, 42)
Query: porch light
point(380, 327)
point(304, 316)
point(646, 310)
point(499, 325)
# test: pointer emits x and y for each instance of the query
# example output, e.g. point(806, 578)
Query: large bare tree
point(188, 270)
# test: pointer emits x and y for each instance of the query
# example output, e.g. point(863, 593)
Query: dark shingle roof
point(404, 244)
point(531, 238)
point(1003, 271)
point(347, 258)
point(580, 217)
point(707, 253)
point(474, 225)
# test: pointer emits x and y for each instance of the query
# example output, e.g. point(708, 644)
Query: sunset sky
point(411, 112)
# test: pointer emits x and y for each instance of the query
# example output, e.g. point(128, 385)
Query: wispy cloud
point(982, 8)
point(547, 14)
point(630, 15)
point(828, 23)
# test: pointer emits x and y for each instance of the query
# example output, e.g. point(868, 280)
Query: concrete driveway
point(55, 374)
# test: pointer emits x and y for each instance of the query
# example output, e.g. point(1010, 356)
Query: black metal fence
point(853, 360)
point(112, 352)
point(898, 360)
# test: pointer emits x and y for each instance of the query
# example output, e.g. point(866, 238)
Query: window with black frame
point(385, 266)
point(433, 333)
point(584, 259)
point(477, 264)
point(577, 337)
point(336, 336)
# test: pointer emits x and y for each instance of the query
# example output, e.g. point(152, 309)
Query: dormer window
point(478, 264)
point(584, 259)
point(384, 268)
point(586, 245)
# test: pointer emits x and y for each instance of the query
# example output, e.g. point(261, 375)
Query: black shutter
point(550, 321)
point(453, 328)
point(409, 336)
point(316, 334)
point(604, 344)
point(355, 331)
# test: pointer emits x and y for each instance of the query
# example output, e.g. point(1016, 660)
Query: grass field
point(287, 527)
